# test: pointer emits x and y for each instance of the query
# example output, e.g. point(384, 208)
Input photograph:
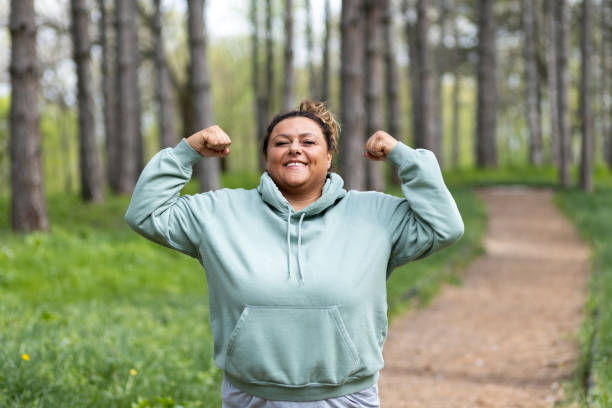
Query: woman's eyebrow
point(300, 135)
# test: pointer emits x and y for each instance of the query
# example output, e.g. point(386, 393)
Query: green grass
point(592, 215)
point(91, 300)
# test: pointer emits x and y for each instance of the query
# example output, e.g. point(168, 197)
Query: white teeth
point(294, 164)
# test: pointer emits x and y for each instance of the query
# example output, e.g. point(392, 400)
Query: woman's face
point(297, 156)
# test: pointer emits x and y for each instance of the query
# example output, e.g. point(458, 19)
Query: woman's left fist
point(379, 145)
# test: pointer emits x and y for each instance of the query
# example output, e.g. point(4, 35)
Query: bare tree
point(531, 70)
point(210, 168)
point(28, 205)
point(562, 33)
point(424, 77)
point(441, 66)
point(486, 117)
point(269, 75)
point(109, 104)
point(312, 76)
point(92, 182)
point(551, 71)
point(165, 119)
point(256, 81)
point(409, 13)
point(586, 112)
point(606, 82)
point(352, 164)
point(394, 116)
point(127, 126)
point(455, 97)
point(373, 76)
point(326, 69)
point(288, 86)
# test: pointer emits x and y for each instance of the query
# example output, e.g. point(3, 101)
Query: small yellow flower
point(25, 356)
point(133, 372)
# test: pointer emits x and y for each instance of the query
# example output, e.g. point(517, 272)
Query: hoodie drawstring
point(299, 247)
point(299, 258)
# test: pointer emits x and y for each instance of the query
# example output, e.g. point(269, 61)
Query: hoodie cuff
point(186, 154)
point(399, 153)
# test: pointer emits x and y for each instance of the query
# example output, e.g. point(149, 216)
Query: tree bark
point(551, 70)
point(441, 66)
point(373, 76)
point(562, 33)
point(413, 77)
point(210, 167)
point(425, 90)
point(394, 115)
point(127, 126)
point(288, 86)
point(256, 81)
point(486, 119)
point(606, 83)
point(28, 204)
point(531, 73)
point(456, 97)
point(586, 111)
point(165, 120)
point(269, 75)
point(352, 164)
point(109, 104)
point(312, 75)
point(326, 69)
point(92, 182)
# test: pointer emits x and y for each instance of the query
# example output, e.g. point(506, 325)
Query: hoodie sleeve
point(157, 212)
point(427, 218)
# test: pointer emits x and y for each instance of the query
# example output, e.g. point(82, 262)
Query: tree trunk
point(562, 33)
point(352, 161)
point(441, 66)
point(256, 81)
point(373, 76)
point(28, 204)
point(127, 126)
point(394, 115)
point(551, 70)
point(288, 86)
point(586, 113)
point(92, 182)
point(606, 83)
point(425, 90)
point(326, 70)
point(531, 72)
point(210, 167)
point(456, 98)
point(415, 84)
point(486, 119)
point(109, 102)
point(269, 79)
point(165, 120)
point(312, 76)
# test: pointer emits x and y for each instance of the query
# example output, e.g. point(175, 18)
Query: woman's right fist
point(210, 142)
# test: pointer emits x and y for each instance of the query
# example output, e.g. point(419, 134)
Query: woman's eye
point(280, 143)
point(309, 142)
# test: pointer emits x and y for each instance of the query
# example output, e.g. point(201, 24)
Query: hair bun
point(320, 110)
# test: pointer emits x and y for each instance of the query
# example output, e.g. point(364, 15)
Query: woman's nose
point(294, 147)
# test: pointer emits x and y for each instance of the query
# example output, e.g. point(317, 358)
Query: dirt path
point(507, 336)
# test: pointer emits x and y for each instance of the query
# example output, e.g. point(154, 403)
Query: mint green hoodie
point(298, 306)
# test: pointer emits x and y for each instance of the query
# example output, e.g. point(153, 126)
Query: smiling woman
point(297, 268)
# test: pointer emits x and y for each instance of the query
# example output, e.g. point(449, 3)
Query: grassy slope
point(92, 300)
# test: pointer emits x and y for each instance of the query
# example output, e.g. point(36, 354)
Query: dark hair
point(316, 111)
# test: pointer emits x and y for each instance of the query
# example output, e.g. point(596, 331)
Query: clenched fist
point(379, 145)
point(210, 142)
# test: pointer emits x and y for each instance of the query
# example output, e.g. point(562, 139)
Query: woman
point(296, 268)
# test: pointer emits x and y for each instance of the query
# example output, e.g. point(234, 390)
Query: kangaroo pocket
point(291, 346)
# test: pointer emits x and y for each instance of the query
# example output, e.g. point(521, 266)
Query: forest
point(504, 93)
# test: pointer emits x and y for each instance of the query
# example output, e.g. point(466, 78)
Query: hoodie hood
point(332, 191)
